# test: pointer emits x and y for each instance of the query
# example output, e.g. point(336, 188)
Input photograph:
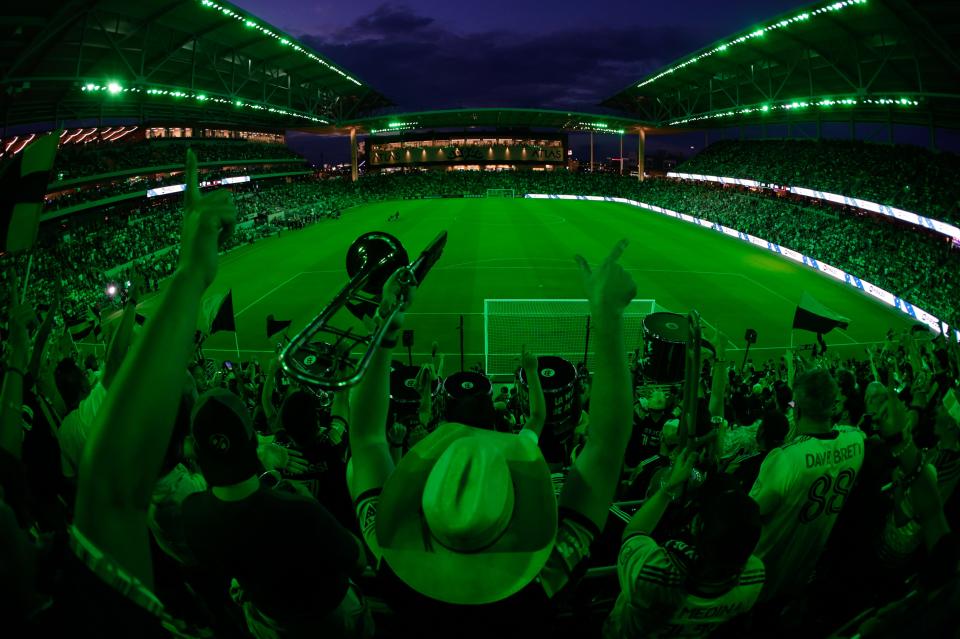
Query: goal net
point(500, 193)
point(548, 327)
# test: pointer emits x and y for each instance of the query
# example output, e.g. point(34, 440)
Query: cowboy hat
point(468, 516)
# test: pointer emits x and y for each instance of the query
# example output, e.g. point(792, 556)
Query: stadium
point(500, 370)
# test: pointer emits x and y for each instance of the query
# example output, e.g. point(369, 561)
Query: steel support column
point(591, 152)
point(621, 154)
point(354, 170)
point(641, 150)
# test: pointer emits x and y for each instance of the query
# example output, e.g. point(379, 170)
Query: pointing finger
point(582, 263)
point(617, 251)
point(193, 190)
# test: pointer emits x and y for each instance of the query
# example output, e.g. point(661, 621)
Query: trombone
point(329, 363)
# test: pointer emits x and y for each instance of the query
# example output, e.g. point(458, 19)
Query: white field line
point(266, 295)
point(787, 299)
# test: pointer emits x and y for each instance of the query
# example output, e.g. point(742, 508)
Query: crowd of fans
point(86, 254)
point(908, 262)
point(94, 158)
point(101, 190)
point(904, 176)
point(154, 492)
point(85, 249)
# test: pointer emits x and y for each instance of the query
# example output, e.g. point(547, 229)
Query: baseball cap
point(226, 444)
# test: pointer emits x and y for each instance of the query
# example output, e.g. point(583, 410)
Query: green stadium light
point(115, 87)
point(793, 105)
point(248, 22)
point(758, 33)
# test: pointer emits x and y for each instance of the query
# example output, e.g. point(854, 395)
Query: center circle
point(672, 326)
point(547, 372)
point(309, 360)
point(466, 385)
point(410, 383)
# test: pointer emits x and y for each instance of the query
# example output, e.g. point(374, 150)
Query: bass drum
point(665, 346)
point(467, 398)
point(318, 358)
point(404, 396)
point(558, 378)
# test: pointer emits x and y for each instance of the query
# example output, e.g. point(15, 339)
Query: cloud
point(422, 65)
point(386, 22)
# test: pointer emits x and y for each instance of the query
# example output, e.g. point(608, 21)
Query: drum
point(467, 398)
point(665, 346)
point(558, 378)
point(404, 395)
point(316, 357)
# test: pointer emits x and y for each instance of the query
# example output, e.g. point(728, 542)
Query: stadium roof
point(871, 60)
point(203, 61)
point(488, 118)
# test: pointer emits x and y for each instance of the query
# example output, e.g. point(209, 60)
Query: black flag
point(274, 326)
point(811, 315)
point(23, 183)
point(218, 313)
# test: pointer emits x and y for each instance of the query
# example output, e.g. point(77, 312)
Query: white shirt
point(801, 489)
point(75, 430)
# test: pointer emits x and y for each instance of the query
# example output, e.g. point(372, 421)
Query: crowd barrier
point(904, 216)
point(863, 286)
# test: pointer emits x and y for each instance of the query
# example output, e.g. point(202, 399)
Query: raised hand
point(207, 221)
point(719, 341)
point(397, 434)
point(424, 381)
point(396, 293)
point(892, 417)
point(528, 360)
point(608, 287)
point(681, 469)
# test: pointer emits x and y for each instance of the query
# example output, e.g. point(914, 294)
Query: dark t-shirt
point(644, 439)
point(287, 552)
point(326, 479)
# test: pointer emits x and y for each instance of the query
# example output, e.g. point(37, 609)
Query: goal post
point(548, 327)
point(500, 193)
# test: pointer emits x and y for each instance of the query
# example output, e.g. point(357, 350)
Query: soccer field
point(518, 248)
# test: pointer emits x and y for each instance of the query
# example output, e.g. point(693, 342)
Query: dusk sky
point(426, 54)
point(431, 54)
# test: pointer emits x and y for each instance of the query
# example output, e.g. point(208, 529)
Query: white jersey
point(801, 489)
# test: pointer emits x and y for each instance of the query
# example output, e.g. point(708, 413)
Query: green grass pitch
point(517, 248)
